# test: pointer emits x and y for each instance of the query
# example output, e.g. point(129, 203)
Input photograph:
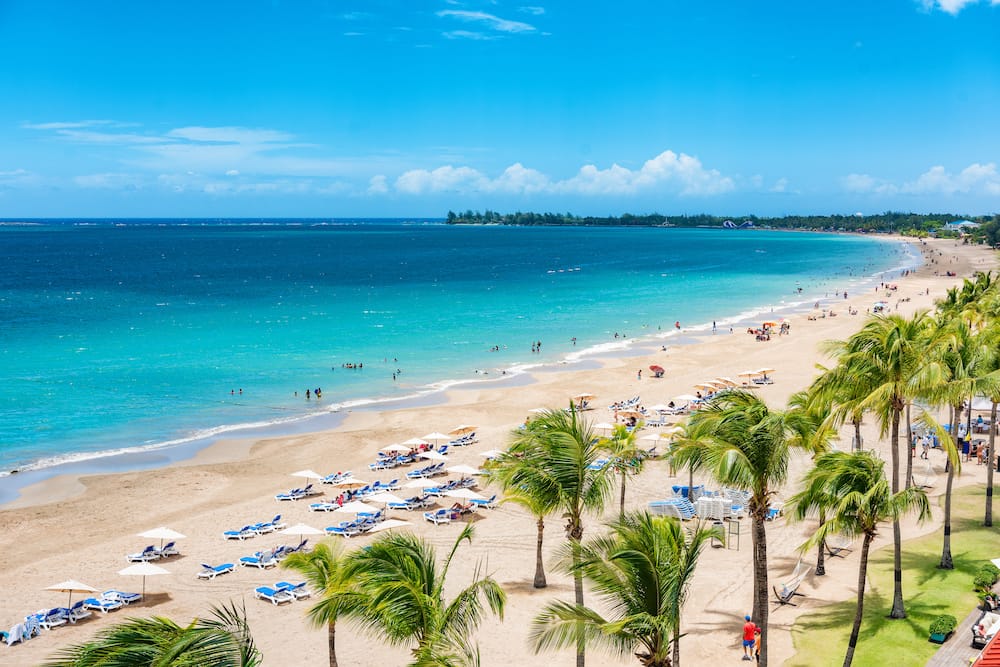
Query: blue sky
point(344, 108)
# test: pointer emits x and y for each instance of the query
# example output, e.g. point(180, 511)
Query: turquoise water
point(118, 336)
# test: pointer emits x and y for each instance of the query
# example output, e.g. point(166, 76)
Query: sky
point(412, 108)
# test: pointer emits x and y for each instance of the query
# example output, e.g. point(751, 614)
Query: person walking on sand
point(640, 374)
point(749, 638)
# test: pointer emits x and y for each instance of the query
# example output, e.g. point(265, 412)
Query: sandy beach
point(82, 527)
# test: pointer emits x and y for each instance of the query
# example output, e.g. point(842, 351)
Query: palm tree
point(858, 499)
point(626, 456)
point(641, 571)
point(559, 450)
point(325, 568)
point(223, 640)
point(747, 446)
point(888, 354)
point(539, 507)
point(401, 600)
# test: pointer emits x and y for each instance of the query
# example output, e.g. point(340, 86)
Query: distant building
point(961, 226)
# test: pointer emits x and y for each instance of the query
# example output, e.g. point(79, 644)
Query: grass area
point(821, 637)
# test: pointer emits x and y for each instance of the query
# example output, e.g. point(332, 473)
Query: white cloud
point(668, 172)
point(534, 11)
point(977, 178)
point(68, 125)
point(233, 172)
point(781, 185)
point(467, 34)
point(110, 181)
point(229, 135)
point(952, 7)
point(377, 185)
point(489, 20)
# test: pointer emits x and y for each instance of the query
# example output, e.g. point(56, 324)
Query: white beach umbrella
point(388, 524)
point(350, 483)
point(659, 407)
point(419, 484)
point(765, 371)
point(355, 507)
point(491, 453)
point(728, 381)
point(685, 398)
point(308, 474)
point(396, 448)
point(659, 436)
point(463, 469)
point(603, 426)
point(462, 429)
point(435, 436)
point(432, 455)
point(468, 494)
point(301, 529)
point(748, 374)
point(539, 411)
point(143, 570)
point(162, 533)
point(71, 586)
point(385, 497)
point(584, 397)
point(416, 442)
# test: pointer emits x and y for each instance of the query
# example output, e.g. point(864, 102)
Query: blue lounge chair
point(78, 612)
point(346, 529)
point(272, 596)
point(53, 617)
point(438, 517)
point(121, 596)
point(149, 553)
point(261, 560)
point(244, 533)
point(169, 549)
point(212, 571)
point(323, 507)
point(102, 605)
point(489, 503)
point(298, 591)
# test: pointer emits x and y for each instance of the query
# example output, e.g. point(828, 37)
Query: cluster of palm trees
point(894, 370)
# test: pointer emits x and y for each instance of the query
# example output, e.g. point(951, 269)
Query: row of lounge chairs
point(364, 522)
point(153, 553)
point(282, 591)
point(47, 619)
point(428, 471)
point(463, 440)
point(255, 529)
point(298, 494)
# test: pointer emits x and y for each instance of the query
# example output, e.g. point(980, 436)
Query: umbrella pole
point(144, 588)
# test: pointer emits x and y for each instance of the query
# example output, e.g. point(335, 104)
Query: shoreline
point(14, 483)
point(95, 517)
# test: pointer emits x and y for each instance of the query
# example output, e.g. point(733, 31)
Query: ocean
point(130, 335)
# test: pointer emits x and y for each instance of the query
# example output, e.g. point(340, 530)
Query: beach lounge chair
point(784, 593)
point(294, 494)
point(438, 517)
point(323, 506)
point(261, 560)
point(149, 553)
point(346, 529)
point(102, 605)
point(121, 596)
point(169, 549)
point(298, 591)
point(212, 571)
point(488, 503)
point(78, 612)
point(15, 635)
point(53, 617)
point(272, 596)
point(244, 533)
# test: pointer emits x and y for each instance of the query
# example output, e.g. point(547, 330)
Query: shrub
point(943, 624)
point(986, 577)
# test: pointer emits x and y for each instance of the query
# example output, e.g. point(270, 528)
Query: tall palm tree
point(888, 353)
point(223, 640)
point(626, 456)
point(747, 446)
point(325, 568)
point(402, 600)
point(559, 451)
point(858, 499)
point(539, 507)
point(641, 571)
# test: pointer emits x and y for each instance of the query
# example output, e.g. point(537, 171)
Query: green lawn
point(821, 637)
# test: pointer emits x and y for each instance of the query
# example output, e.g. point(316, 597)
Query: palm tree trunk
point(760, 583)
point(331, 642)
point(575, 539)
point(946, 562)
point(857, 435)
point(990, 463)
point(820, 565)
point(862, 573)
point(676, 658)
point(909, 448)
point(622, 513)
point(539, 563)
point(898, 609)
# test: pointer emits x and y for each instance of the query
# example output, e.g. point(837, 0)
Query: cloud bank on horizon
point(388, 109)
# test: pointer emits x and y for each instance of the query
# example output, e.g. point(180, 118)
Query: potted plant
point(942, 627)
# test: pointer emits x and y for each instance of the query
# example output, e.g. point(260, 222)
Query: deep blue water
point(125, 335)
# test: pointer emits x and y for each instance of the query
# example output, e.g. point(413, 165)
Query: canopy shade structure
point(71, 586)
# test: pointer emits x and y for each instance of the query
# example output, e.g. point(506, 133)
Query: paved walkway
point(958, 651)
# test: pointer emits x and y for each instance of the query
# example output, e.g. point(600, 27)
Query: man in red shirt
point(749, 628)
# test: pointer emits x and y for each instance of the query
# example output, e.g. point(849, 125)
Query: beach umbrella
point(432, 455)
point(71, 586)
point(584, 397)
point(385, 497)
point(388, 524)
point(687, 398)
point(396, 448)
point(659, 370)
point(467, 494)
point(491, 453)
point(631, 413)
point(765, 371)
point(659, 407)
point(419, 484)
point(416, 442)
point(728, 381)
point(301, 530)
point(143, 570)
point(435, 436)
point(463, 469)
point(162, 533)
point(656, 437)
point(308, 474)
point(355, 507)
point(603, 426)
point(539, 411)
point(350, 483)
point(748, 374)
point(462, 429)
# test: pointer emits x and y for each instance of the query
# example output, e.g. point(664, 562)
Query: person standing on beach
point(640, 374)
point(749, 638)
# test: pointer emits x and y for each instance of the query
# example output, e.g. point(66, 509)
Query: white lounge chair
point(272, 596)
point(212, 571)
